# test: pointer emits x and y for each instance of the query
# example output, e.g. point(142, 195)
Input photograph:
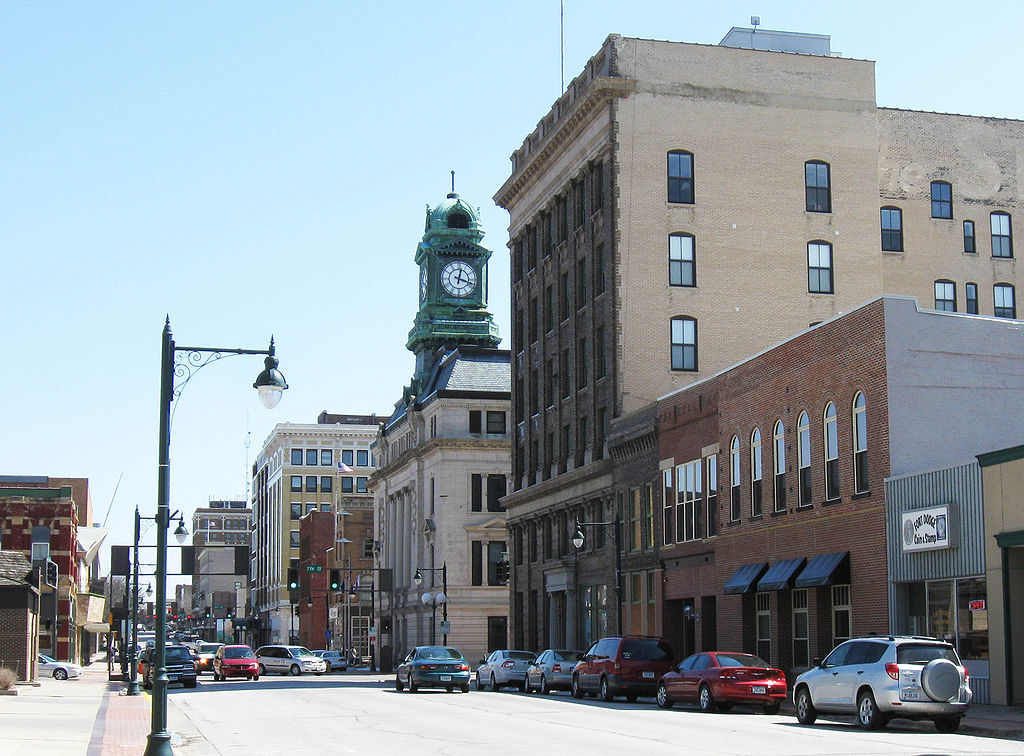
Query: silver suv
point(878, 678)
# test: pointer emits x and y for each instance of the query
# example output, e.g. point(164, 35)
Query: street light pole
point(270, 384)
point(133, 634)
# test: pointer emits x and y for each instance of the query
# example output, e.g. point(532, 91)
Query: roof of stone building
point(14, 568)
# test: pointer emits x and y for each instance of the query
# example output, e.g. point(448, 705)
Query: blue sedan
point(433, 667)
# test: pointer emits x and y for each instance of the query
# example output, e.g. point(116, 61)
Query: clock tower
point(452, 285)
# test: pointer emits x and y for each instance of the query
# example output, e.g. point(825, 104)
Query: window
point(734, 478)
point(971, 298)
point(296, 510)
point(293, 541)
point(581, 284)
point(689, 498)
point(347, 457)
point(534, 393)
point(819, 267)
point(549, 320)
point(942, 200)
point(346, 484)
point(310, 484)
point(580, 195)
point(474, 421)
point(495, 555)
point(562, 205)
point(531, 241)
point(779, 455)
point(764, 625)
point(842, 613)
point(668, 500)
point(600, 368)
point(648, 507)
point(818, 187)
point(532, 320)
point(803, 432)
point(563, 305)
point(892, 229)
point(597, 174)
point(945, 296)
point(801, 626)
point(362, 458)
point(326, 457)
point(755, 473)
point(680, 177)
point(682, 269)
point(476, 495)
point(326, 484)
point(296, 456)
point(831, 434)
point(634, 520)
point(310, 507)
point(684, 343)
point(495, 422)
point(496, 487)
point(860, 443)
point(1002, 235)
point(1002, 295)
point(296, 486)
point(712, 497)
point(311, 456)
point(361, 485)
point(599, 269)
point(582, 438)
point(969, 245)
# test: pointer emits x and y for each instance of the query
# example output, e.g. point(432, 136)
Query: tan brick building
point(683, 206)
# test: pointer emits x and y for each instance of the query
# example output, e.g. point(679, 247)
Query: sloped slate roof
point(14, 568)
point(473, 370)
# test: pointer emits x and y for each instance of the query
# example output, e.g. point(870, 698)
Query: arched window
point(755, 473)
point(819, 267)
point(684, 343)
point(803, 432)
point(779, 455)
point(1004, 302)
point(818, 186)
point(892, 229)
point(860, 443)
point(942, 199)
point(945, 296)
point(1002, 234)
point(831, 436)
point(680, 177)
point(734, 478)
point(682, 264)
point(458, 219)
point(971, 297)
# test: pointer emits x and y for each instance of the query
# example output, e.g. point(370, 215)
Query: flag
point(343, 468)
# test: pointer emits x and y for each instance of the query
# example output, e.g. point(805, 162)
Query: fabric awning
point(825, 569)
point(743, 580)
point(780, 575)
point(96, 627)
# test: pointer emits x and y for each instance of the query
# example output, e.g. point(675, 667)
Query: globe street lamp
point(184, 362)
point(434, 600)
point(418, 580)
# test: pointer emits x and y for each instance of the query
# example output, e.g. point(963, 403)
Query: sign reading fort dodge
point(927, 529)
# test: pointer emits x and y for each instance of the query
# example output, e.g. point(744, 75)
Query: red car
point(718, 679)
point(627, 666)
point(235, 661)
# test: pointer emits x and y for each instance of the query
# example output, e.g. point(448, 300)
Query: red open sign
point(978, 605)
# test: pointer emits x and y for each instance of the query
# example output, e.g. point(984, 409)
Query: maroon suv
point(629, 666)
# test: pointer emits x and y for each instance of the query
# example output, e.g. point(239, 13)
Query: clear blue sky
point(252, 168)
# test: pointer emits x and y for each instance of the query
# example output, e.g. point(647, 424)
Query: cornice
point(560, 482)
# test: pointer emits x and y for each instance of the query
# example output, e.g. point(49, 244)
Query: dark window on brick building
point(860, 443)
point(680, 177)
point(818, 187)
point(971, 298)
point(892, 229)
point(969, 246)
point(831, 437)
point(942, 199)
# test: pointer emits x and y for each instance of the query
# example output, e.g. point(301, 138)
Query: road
point(361, 713)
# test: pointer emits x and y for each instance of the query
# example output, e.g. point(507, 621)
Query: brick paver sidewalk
point(122, 723)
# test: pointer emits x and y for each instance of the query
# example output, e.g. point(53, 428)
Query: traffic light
point(51, 573)
point(230, 614)
point(206, 612)
point(335, 580)
point(293, 579)
point(502, 572)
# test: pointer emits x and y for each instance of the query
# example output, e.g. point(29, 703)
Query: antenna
point(453, 182)
point(755, 21)
point(248, 440)
point(561, 37)
point(111, 504)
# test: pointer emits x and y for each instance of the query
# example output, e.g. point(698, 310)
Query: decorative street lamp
point(418, 580)
point(434, 600)
point(578, 540)
point(184, 362)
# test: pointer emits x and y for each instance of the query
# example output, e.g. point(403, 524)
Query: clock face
point(458, 278)
point(423, 283)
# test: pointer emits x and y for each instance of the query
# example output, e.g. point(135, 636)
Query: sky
point(253, 169)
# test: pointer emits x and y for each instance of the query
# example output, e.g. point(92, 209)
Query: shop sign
point(978, 605)
point(928, 529)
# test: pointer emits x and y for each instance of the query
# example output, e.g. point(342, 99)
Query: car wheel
point(328, 667)
point(449, 688)
point(465, 687)
point(255, 678)
point(60, 674)
point(295, 670)
point(662, 696)
point(480, 683)
point(772, 708)
point(263, 670)
point(398, 684)
point(705, 700)
point(868, 715)
point(494, 684)
point(191, 684)
point(525, 685)
point(413, 687)
point(948, 724)
point(805, 711)
point(606, 691)
point(317, 674)
point(544, 689)
point(574, 687)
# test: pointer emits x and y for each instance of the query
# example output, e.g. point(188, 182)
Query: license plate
point(909, 695)
point(648, 675)
point(758, 689)
point(446, 678)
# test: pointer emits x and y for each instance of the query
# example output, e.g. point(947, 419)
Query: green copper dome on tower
point(452, 284)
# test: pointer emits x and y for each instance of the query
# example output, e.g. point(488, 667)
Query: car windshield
point(438, 652)
point(646, 650)
point(239, 653)
point(521, 655)
point(47, 659)
point(570, 656)
point(177, 653)
point(209, 648)
point(300, 651)
point(920, 653)
point(741, 660)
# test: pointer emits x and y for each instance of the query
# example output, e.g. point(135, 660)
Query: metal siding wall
point(960, 485)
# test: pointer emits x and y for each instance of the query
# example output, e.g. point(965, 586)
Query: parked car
point(335, 660)
point(718, 679)
point(289, 660)
point(47, 665)
point(627, 666)
point(552, 670)
point(204, 656)
point(433, 667)
point(880, 678)
point(504, 667)
point(177, 661)
point(235, 661)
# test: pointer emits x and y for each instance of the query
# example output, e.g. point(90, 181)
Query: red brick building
point(316, 536)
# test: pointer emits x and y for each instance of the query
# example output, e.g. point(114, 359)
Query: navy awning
point(742, 581)
point(825, 569)
point(780, 575)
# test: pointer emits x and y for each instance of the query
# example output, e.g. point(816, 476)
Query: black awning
point(825, 569)
point(780, 575)
point(742, 581)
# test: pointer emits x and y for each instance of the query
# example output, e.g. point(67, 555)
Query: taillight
point(429, 666)
point(727, 674)
point(893, 670)
point(556, 668)
point(966, 673)
point(462, 667)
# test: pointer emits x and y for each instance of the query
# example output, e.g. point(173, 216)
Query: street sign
point(446, 626)
point(314, 568)
point(332, 612)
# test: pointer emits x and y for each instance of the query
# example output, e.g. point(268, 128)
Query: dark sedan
point(433, 667)
point(718, 679)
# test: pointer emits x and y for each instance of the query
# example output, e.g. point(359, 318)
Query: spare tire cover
point(940, 679)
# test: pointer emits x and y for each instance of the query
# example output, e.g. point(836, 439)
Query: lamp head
point(439, 598)
point(425, 598)
point(417, 578)
point(578, 539)
point(270, 383)
point(181, 531)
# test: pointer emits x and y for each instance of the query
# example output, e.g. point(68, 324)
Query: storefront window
point(941, 609)
point(972, 619)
